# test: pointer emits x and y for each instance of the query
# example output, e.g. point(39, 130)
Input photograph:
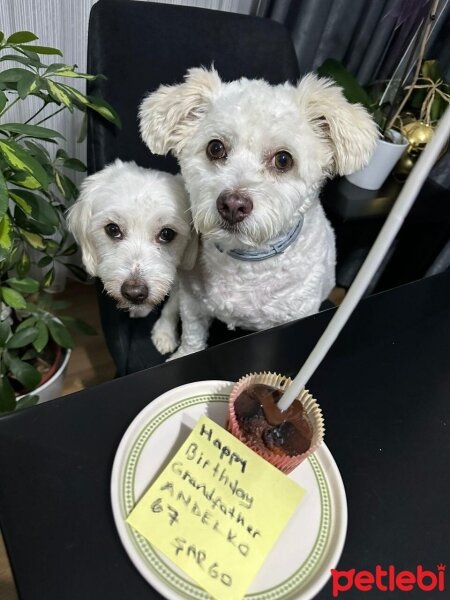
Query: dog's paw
point(184, 352)
point(139, 312)
point(178, 354)
point(164, 337)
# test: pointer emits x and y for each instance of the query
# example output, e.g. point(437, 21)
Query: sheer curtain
point(63, 24)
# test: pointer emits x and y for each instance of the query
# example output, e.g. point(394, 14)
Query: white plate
point(299, 564)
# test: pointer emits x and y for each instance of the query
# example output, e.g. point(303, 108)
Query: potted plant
point(35, 192)
point(388, 104)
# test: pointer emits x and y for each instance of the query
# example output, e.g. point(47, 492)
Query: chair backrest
point(141, 45)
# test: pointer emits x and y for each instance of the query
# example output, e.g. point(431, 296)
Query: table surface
point(384, 389)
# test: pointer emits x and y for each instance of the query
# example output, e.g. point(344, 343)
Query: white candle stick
point(376, 255)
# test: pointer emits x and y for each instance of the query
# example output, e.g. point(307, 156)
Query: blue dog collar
point(277, 246)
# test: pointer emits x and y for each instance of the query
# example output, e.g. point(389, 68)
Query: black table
point(357, 216)
point(384, 389)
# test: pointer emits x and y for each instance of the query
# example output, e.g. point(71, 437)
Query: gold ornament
point(418, 134)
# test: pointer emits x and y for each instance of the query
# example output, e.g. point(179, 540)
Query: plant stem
point(50, 116)
point(36, 113)
point(423, 44)
point(8, 106)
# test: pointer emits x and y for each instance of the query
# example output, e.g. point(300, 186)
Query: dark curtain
point(362, 34)
point(365, 37)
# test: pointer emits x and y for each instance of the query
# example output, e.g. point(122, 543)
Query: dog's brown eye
point(166, 235)
point(283, 161)
point(114, 231)
point(215, 150)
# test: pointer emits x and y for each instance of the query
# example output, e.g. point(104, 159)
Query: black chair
point(138, 46)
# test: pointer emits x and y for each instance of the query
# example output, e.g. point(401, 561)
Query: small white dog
point(254, 158)
point(133, 227)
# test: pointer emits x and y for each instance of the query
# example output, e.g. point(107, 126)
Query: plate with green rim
point(299, 564)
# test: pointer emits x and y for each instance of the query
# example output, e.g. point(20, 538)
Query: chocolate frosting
point(257, 412)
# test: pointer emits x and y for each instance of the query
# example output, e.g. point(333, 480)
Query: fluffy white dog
point(133, 227)
point(254, 158)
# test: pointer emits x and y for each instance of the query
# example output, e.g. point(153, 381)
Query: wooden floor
point(89, 365)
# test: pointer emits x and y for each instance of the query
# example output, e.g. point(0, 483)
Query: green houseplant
point(35, 192)
point(389, 101)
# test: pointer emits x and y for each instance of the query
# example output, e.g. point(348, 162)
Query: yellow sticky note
point(216, 510)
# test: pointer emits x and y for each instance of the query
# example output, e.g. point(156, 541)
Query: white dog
point(133, 227)
point(254, 157)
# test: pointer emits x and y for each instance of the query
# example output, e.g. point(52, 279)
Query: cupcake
point(283, 438)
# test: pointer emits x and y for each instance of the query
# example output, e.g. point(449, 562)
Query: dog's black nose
point(234, 206)
point(135, 290)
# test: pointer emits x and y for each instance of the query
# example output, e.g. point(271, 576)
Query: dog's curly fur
point(142, 203)
point(323, 133)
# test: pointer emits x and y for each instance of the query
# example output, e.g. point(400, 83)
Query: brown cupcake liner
point(312, 412)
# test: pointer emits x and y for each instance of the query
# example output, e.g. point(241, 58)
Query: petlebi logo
point(388, 580)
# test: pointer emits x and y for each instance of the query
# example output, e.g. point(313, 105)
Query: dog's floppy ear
point(350, 128)
point(168, 114)
point(190, 253)
point(79, 220)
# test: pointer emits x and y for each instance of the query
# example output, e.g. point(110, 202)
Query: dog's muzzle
point(234, 206)
point(134, 290)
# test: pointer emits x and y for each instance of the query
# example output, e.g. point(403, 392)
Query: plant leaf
point(75, 165)
point(25, 180)
point(24, 60)
point(353, 91)
point(21, 37)
point(7, 395)
point(5, 233)
point(13, 75)
point(68, 71)
point(33, 239)
point(45, 261)
point(31, 226)
point(42, 50)
point(5, 332)
point(34, 131)
point(36, 206)
point(70, 250)
point(77, 271)
point(13, 298)
point(49, 278)
point(67, 188)
point(81, 98)
point(3, 100)
point(24, 372)
point(23, 266)
point(25, 284)
point(58, 93)
point(22, 338)
point(105, 110)
point(26, 85)
point(21, 160)
point(27, 401)
point(3, 196)
point(60, 334)
point(82, 134)
point(39, 152)
point(42, 339)
point(26, 323)
point(32, 56)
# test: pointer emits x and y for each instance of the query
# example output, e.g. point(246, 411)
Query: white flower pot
point(53, 387)
point(383, 160)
